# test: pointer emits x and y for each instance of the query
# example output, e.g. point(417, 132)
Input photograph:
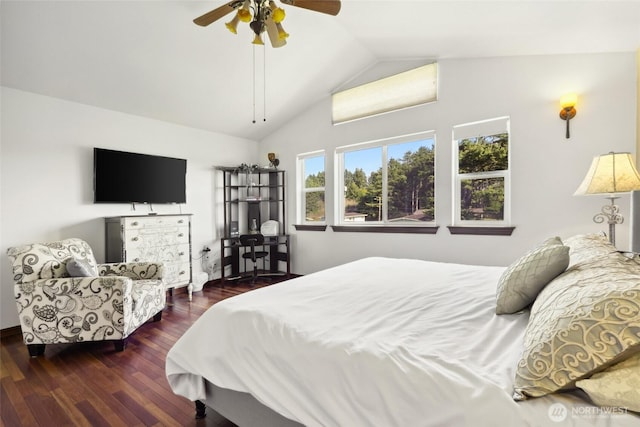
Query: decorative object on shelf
point(270, 228)
point(264, 15)
point(610, 173)
point(248, 171)
point(568, 112)
point(273, 161)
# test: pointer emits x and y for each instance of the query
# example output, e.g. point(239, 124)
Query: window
point(481, 178)
point(311, 206)
point(390, 182)
point(408, 89)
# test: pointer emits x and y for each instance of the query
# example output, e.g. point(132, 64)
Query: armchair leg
point(120, 345)
point(35, 350)
point(158, 316)
point(201, 410)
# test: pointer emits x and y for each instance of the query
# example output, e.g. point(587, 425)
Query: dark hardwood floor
point(90, 384)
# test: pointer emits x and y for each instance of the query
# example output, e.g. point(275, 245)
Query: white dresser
point(157, 238)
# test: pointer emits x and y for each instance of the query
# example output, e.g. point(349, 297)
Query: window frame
point(457, 221)
point(302, 190)
point(384, 225)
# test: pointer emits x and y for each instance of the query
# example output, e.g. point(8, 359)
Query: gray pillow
point(81, 268)
point(521, 283)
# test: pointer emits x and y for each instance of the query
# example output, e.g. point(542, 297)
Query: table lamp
point(610, 173)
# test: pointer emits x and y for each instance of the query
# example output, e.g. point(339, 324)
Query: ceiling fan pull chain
point(254, 84)
point(264, 84)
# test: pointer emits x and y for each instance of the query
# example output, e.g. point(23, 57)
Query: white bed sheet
point(375, 342)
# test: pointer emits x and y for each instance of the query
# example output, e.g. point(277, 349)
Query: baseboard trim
point(10, 332)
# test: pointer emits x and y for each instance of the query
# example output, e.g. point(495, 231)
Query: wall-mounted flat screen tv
point(122, 177)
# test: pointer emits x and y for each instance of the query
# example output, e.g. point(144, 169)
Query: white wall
point(47, 171)
point(546, 167)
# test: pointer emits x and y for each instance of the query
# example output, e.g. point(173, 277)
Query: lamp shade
point(610, 173)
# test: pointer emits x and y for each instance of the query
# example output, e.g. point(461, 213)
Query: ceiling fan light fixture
point(282, 34)
point(233, 24)
point(278, 13)
point(264, 15)
point(257, 40)
point(244, 14)
point(257, 26)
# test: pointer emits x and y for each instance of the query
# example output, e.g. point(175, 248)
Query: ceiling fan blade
point(330, 7)
point(217, 13)
point(272, 31)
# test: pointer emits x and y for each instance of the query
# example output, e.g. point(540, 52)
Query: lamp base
point(611, 214)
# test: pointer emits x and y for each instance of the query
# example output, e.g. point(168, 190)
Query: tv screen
point(122, 177)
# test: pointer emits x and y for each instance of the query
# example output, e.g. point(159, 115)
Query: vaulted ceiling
point(148, 58)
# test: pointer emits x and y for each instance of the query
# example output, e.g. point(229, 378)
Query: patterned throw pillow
point(618, 386)
point(585, 320)
point(588, 247)
point(81, 268)
point(521, 283)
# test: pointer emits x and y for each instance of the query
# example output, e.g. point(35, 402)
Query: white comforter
point(375, 342)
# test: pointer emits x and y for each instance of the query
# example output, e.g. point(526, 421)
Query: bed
point(404, 342)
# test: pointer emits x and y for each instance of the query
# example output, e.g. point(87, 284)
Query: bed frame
point(240, 408)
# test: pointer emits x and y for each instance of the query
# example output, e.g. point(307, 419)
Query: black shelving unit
point(253, 198)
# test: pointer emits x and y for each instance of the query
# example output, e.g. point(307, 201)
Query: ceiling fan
point(264, 15)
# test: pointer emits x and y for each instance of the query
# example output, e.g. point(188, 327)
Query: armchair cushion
point(81, 268)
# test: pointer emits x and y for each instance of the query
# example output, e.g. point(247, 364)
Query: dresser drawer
point(165, 236)
point(177, 274)
point(135, 223)
point(166, 254)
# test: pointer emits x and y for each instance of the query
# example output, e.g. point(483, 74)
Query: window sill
point(431, 229)
point(309, 227)
point(481, 231)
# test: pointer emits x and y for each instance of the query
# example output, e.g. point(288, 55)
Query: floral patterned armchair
point(64, 296)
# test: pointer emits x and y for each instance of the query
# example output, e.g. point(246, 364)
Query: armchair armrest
point(133, 270)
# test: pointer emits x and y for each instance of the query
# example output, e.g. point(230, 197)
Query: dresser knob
point(181, 221)
point(181, 235)
point(134, 223)
point(181, 273)
point(180, 253)
point(135, 239)
point(137, 260)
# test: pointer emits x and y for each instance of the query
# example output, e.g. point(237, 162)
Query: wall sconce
point(568, 112)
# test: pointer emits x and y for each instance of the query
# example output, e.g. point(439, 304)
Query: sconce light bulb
point(568, 101)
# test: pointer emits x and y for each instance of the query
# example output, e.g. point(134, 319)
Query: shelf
point(253, 201)
point(241, 213)
point(238, 187)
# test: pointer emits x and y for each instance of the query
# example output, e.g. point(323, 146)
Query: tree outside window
point(482, 178)
point(390, 182)
point(311, 168)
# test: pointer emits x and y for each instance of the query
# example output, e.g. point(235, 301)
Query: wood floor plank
point(91, 384)
point(69, 407)
point(14, 405)
point(46, 411)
